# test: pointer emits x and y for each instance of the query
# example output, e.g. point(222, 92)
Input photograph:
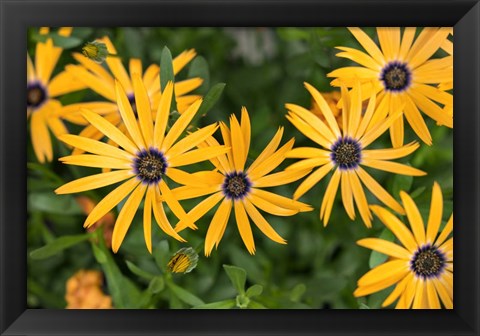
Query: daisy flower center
point(428, 262)
point(236, 185)
point(36, 95)
point(150, 165)
point(396, 76)
point(346, 153)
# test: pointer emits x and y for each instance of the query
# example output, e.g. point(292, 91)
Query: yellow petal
point(227, 140)
point(445, 232)
point(406, 298)
point(135, 67)
point(443, 293)
point(147, 220)
point(385, 247)
point(397, 227)
point(174, 205)
point(64, 83)
point(308, 131)
point(407, 39)
point(378, 129)
point(95, 83)
point(200, 209)
point(269, 207)
point(414, 218)
point(428, 49)
point(393, 167)
point(399, 289)
point(379, 192)
point(41, 142)
point(347, 195)
point(56, 126)
point(238, 144)
point(97, 69)
point(197, 155)
point(432, 296)
point(30, 70)
point(391, 153)
point(355, 109)
point(261, 223)
point(182, 60)
point(383, 271)
point(110, 130)
point(281, 201)
point(312, 120)
point(199, 179)
point(144, 109)
point(191, 140)
point(128, 116)
point(180, 125)
point(436, 211)
point(307, 152)
point(419, 295)
point(396, 131)
point(389, 38)
point(366, 117)
point(244, 228)
point(415, 119)
point(281, 178)
point(431, 109)
point(327, 112)
point(387, 281)
point(308, 164)
point(96, 161)
point(367, 44)
point(161, 217)
point(110, 201)
point(329, 197)
point(246, 131)
point(269, 149)
point(271, 162)
point(126, 215)
point(221, 161)
point(312, 180)
point(163, 112)
point(185, 86)
point(188, 192)
point(359, 57)
point(94, 181)
point(360, 199)
point(219, 221)
point(95, 147)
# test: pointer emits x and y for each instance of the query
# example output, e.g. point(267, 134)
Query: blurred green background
point(263, 69)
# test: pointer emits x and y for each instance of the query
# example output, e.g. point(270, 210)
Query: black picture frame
point(17, 15)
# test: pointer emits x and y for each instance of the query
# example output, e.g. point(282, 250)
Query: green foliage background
point(263, 69)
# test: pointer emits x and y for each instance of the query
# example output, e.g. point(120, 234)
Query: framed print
point(268, 167)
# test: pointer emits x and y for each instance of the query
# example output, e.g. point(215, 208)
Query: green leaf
point(53, 203)
point(65, 42)
point(99, 254)
point(139, 272)
point(208, 102)
point(156, 285)
point(199, 68)
point(166, 74)
point(211, 98)
point(254, 290)
point(57, 246)
point(226, 304)
point(242, 301)
point(363, 306)
point(376, 258)
point(256, 305)
point(237, 276)
point(184, 295)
